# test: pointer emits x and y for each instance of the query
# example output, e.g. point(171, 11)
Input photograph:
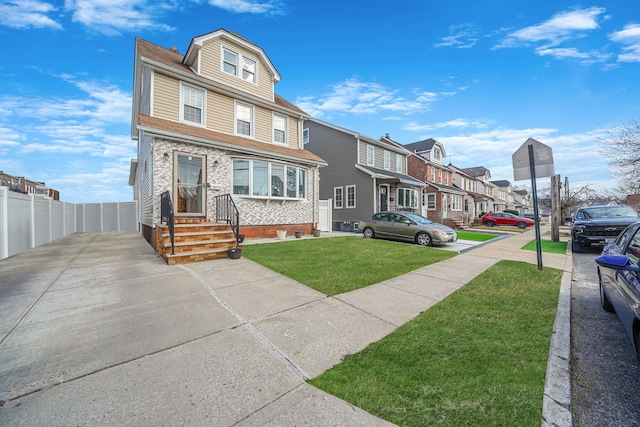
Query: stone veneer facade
point(258, 217)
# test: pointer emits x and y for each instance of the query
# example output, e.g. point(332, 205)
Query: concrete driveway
point(98, 330)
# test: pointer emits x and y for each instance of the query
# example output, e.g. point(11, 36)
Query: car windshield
point(417, 218)
point(609, 212)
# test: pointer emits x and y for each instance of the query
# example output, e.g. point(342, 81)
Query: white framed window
point(446, 178)
point(430, 201)
point(351, 196)
point(244, 119)
point(433, 174)
point(387, 159)
point(305, 135)
point(440, 176)
point(192, 105)
point(255, 178)
point(279, 128)
point(370, 155)
point(238, 65)
point(456, 203)
point(407, 198)
point(398, 163)
point(248, 70)
point(337, 197)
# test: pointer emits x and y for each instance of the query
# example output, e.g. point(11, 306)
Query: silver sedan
point(406, 226)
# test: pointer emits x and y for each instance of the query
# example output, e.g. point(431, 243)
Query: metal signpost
point(533, 160)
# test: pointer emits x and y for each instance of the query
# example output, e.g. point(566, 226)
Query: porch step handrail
point(226, 210)
point(166, 216)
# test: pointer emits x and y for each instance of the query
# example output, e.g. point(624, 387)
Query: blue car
point(619, 277)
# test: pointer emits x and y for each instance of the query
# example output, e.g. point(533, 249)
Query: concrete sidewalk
point(96, 329)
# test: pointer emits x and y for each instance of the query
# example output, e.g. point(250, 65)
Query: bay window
point(256, 178)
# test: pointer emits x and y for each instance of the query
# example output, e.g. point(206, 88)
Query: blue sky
point(480, 77)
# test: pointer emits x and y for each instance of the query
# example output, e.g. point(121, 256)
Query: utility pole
point(555, 208)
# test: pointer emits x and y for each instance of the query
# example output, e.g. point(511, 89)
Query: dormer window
point(238, 65)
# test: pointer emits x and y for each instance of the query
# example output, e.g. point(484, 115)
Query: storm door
point(384, 197)
point(189, 185)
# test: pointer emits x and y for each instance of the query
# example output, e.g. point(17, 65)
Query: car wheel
point(522, 225)
point(604, 299)
point(424, 239)
point(368, 233)
point(490, 223)
point(577, 247)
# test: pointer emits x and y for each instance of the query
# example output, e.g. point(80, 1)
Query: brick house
point(442, 201)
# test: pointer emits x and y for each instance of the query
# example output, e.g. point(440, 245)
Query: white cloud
point(24, 14)
point(110, 17)
point(354, 96)
point(248, 6)
point(463, 36)
point(71, 125)
point(575, 155)
point(630, 37)
point(457, 123)
point(561, 27)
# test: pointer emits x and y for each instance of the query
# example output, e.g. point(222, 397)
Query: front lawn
point(477, 358)
point(547, 246)
point(342, 264)
point(476, 237)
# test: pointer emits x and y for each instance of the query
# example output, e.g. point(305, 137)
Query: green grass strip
point(476, 237)
point(342, 264)
point(547, 246)
point(478, 358)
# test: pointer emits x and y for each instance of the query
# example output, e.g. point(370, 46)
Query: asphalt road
point(605, 375)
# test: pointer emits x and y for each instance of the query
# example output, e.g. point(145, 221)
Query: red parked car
point(505, 218)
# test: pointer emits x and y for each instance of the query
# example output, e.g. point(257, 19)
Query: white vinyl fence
point(27, 221)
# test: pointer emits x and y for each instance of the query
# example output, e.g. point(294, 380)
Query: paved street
point(605, 373)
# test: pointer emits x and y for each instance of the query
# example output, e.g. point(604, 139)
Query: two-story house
point(442, 201)
point(214, 136)
point(475, 202)
point(363, 176)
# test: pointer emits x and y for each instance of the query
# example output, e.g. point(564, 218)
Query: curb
point(556, 404)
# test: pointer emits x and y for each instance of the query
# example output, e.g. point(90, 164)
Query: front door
point(189, 185)
point(384, 197)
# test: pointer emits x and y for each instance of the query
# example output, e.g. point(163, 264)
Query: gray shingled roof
point(424, 145)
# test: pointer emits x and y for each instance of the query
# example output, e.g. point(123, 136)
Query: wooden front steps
point(195, 240)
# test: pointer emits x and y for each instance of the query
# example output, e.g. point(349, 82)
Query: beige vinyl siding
point(293, 130)
point(211, 67)
point(220, 113)
point(166, 97)
point(263, 124)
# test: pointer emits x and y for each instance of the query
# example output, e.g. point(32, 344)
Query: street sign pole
point(532, 167)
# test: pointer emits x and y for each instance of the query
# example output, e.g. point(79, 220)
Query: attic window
point(238, 65)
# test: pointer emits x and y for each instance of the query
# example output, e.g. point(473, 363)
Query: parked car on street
point(619, 278)
point(505, 218)
point(599, 225)
point(406, 226)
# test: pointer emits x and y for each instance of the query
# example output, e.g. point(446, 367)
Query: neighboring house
point(363, 176)
point(488, 201)
point(442, 201)
point(504, 191)
point(20, 184)
point(209, 124)
point(475, 201)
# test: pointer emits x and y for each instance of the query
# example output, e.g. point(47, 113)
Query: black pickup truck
point(599, 225)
